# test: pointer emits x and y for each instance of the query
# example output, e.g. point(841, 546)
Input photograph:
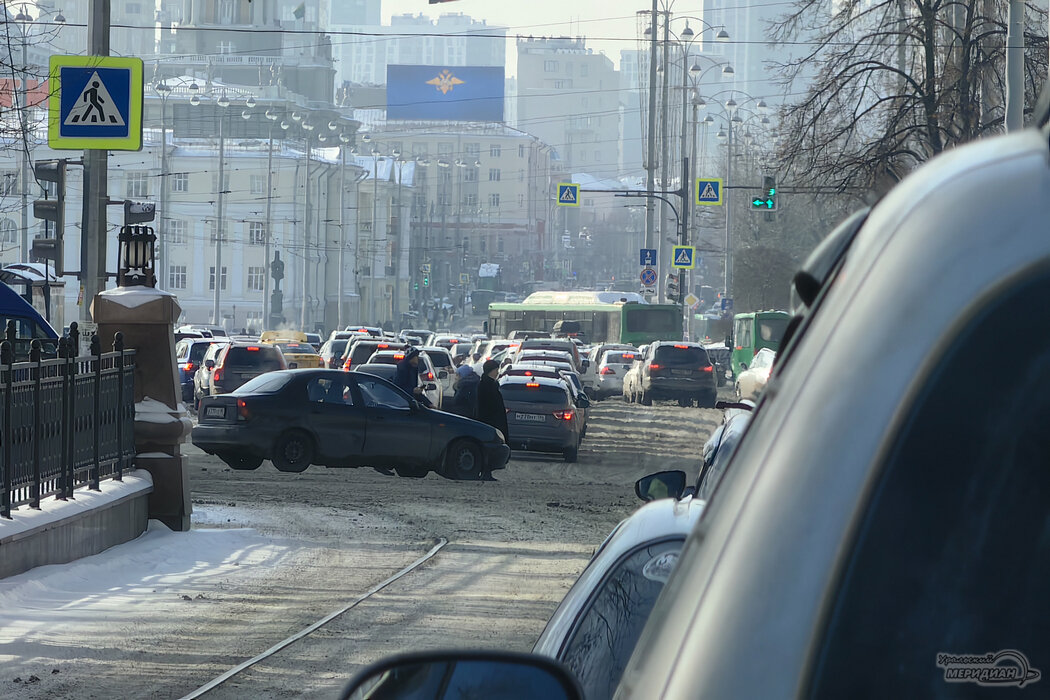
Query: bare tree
point(892, 83)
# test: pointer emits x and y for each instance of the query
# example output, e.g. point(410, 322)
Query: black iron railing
point(66, 421)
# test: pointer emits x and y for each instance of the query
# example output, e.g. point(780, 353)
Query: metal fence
point(66, 421)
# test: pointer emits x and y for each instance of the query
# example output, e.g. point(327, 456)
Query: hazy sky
point(613, 20)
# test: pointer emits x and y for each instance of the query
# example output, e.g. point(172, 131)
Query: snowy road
point(273, 553)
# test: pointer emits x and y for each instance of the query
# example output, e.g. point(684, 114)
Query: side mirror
point(743, 366)
point(441, 675)
point(583, 402)
point(586, 364)
point(442, 374)
point(669, 484)
point(430, 387)
point(210, 364)
point(293, 365)
point(729, 342)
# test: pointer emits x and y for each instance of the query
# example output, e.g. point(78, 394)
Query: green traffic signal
point(426, 281)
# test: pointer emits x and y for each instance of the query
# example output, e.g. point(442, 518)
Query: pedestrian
point(406, 376)
point(465, 402)
point(490, 401)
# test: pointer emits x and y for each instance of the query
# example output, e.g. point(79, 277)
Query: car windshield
point(680, 356)
point(612, 358)
point(259, 358)
point(297, 348)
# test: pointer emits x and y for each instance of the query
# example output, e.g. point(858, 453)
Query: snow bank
point(152, 411)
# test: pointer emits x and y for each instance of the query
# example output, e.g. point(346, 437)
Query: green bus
point(600, 317)
point(754, 331)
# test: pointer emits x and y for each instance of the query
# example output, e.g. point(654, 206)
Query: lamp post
point(308, 128)
point(164, 90)
point(344, 144)
point(272, 117)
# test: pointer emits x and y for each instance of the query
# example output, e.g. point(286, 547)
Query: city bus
point(754, 331)
point(600, 317)
point(29, 325)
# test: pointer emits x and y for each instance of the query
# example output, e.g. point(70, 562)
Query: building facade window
point(256, 278)
point(521, 150)
point(444, 199)
point(8, 231)
point(176, 232)
point(562, 84)
point(493, 174)
point(471, 200)
point(495, 150)
point(177, 276)
point(137, 184)
point(494, 200)
point(550, 66)
point(257, 184)
point(211, 279)
point(472, 149)
point(257, 233)
point(212, 228)
point(470, 175)
point(9, 182)
point(225, 182)
point(180, 182)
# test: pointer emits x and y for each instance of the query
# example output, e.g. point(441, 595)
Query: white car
point(427, 374)
point(753, 380)
point(611, 370)
point(444, 368)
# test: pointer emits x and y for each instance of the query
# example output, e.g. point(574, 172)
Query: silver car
point(611, 370)
point(541, 416)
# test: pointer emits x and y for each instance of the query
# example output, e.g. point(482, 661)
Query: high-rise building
point(632, 112)
point(747, 49)
point(568, 96)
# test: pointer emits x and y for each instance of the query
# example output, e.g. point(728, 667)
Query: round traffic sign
point(648, 277)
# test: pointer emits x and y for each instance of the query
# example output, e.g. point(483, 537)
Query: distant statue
point(277, 270)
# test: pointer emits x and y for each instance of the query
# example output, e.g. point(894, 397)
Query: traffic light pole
point(96, 197)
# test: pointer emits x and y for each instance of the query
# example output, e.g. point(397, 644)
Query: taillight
point(607, 370)
point(190, 366)
point(532, 385)
point(682, 347)
point(347, 365)
point(242, 410)
point(709, 368)
point(655, 366)
point(252, 348)
point(563, 415)
point(216, 374)
point(430, 376)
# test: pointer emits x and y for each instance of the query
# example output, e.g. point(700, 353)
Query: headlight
point(499, 432)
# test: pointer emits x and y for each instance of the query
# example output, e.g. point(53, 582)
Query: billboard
point(461, 93)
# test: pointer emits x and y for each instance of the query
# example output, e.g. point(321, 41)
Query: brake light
point(190, 366)
point(252, 348)
point(430, 376)
point(242, 410)
point(607, 370)
point(628, 356)
point(399, 355)
point(216, 374)
point(383, 346)
point(653, 365)
point(682, 347)
point(532, 385)
point(709, 368)
point(563, 415)
point(453, 341)
point(528, 373)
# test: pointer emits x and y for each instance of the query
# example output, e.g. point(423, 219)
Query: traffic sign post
point(647, 257)
point(464, 278)
point(767, 201)
point(683, 257)
point(648, 277)
point(709, 191)
point(568, 194)
point(95, 103)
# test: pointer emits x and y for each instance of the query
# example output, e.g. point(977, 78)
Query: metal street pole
point(162, 229)
point(219, 214)
point(727, 204)
point(306, 230)
point(373, 242)
point(341, 316)
point(650, 160)
point(23, 153)
point(1015, 66)
point(96, 196)
point(661, 246)
point(266, 233)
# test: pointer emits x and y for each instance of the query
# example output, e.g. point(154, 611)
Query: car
point(595, 628)
point(300, 355)
point(669, 370)
point(541, 416)
point(444, 368)
point(202, 376)
point(425, 337)
point(332, 350)
point(565, 374)
point(314, 339)
point(359, 350)
point(611, 369)
point(296, 418)
point(428, 375)
point(237, 363)
point(594, 357)
point(541, 356)
point(374, 331)
point(189, 354)
point(460, 353)
point(559, 345)
point(752, 379)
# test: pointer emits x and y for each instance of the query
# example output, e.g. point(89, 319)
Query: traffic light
point(426, 280)
point(673, 290)
point(767, 199)
point(52, 210)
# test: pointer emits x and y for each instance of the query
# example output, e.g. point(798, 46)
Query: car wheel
point(571, 454)
point(411, 472)
point(685, 403)
point(646, 400)
point(293, 451)
point(463, 460)
point(240, 461)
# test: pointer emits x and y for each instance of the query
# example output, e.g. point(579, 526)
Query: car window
point(763, 359)
point(329, 390)
point(181, 348)
point(376, 393)
point(624, 358)
point(680, 355)
point(256, 357)
point(297, 348)
point(968, 470)
point(269, 383)
point(540, 393)
point(771, 330)
point(439, 359)
point(598, 648)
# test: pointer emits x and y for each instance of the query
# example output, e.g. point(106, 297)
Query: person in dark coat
point(465, 402)
point(490, 401)
point(406, 376)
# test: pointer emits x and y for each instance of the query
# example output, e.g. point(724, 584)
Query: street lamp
point(164, 90)
point(308, 129)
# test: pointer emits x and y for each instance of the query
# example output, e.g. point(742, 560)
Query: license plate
point(685, 372)
point(215, 412)
point(530, 417)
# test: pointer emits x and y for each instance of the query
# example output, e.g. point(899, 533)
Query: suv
point(670, 370)
point(202, 376)
point(238, 362)
point(358, 352)
point(189, 353)
point(561, 344)
point(541, 416)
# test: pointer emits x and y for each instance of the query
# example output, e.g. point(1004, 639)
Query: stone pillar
point(146, 316)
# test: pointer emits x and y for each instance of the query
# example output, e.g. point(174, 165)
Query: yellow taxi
point(297, 350)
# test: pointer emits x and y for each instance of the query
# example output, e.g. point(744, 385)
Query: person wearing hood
point(406, 376)
point(466, 399)
point(490, 401)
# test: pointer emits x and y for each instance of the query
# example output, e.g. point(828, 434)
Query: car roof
point(657, 521)
point(805, 467)
point(543, 381)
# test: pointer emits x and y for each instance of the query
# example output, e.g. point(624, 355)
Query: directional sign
point(95, 103)
point(727, 304)
point(683, 257)
point(691, 300)
point(568, 194)
point(648, 277)
point(425, 268)
point(647, 257)
point(464, 278)
point(709, 191)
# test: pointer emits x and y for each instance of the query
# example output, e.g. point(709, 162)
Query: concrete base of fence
point(170, 501)
point(63, 531)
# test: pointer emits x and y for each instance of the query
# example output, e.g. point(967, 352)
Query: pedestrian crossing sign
point(683, 257)
point(709, 191)
point(95, 103)
point(568, 194)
